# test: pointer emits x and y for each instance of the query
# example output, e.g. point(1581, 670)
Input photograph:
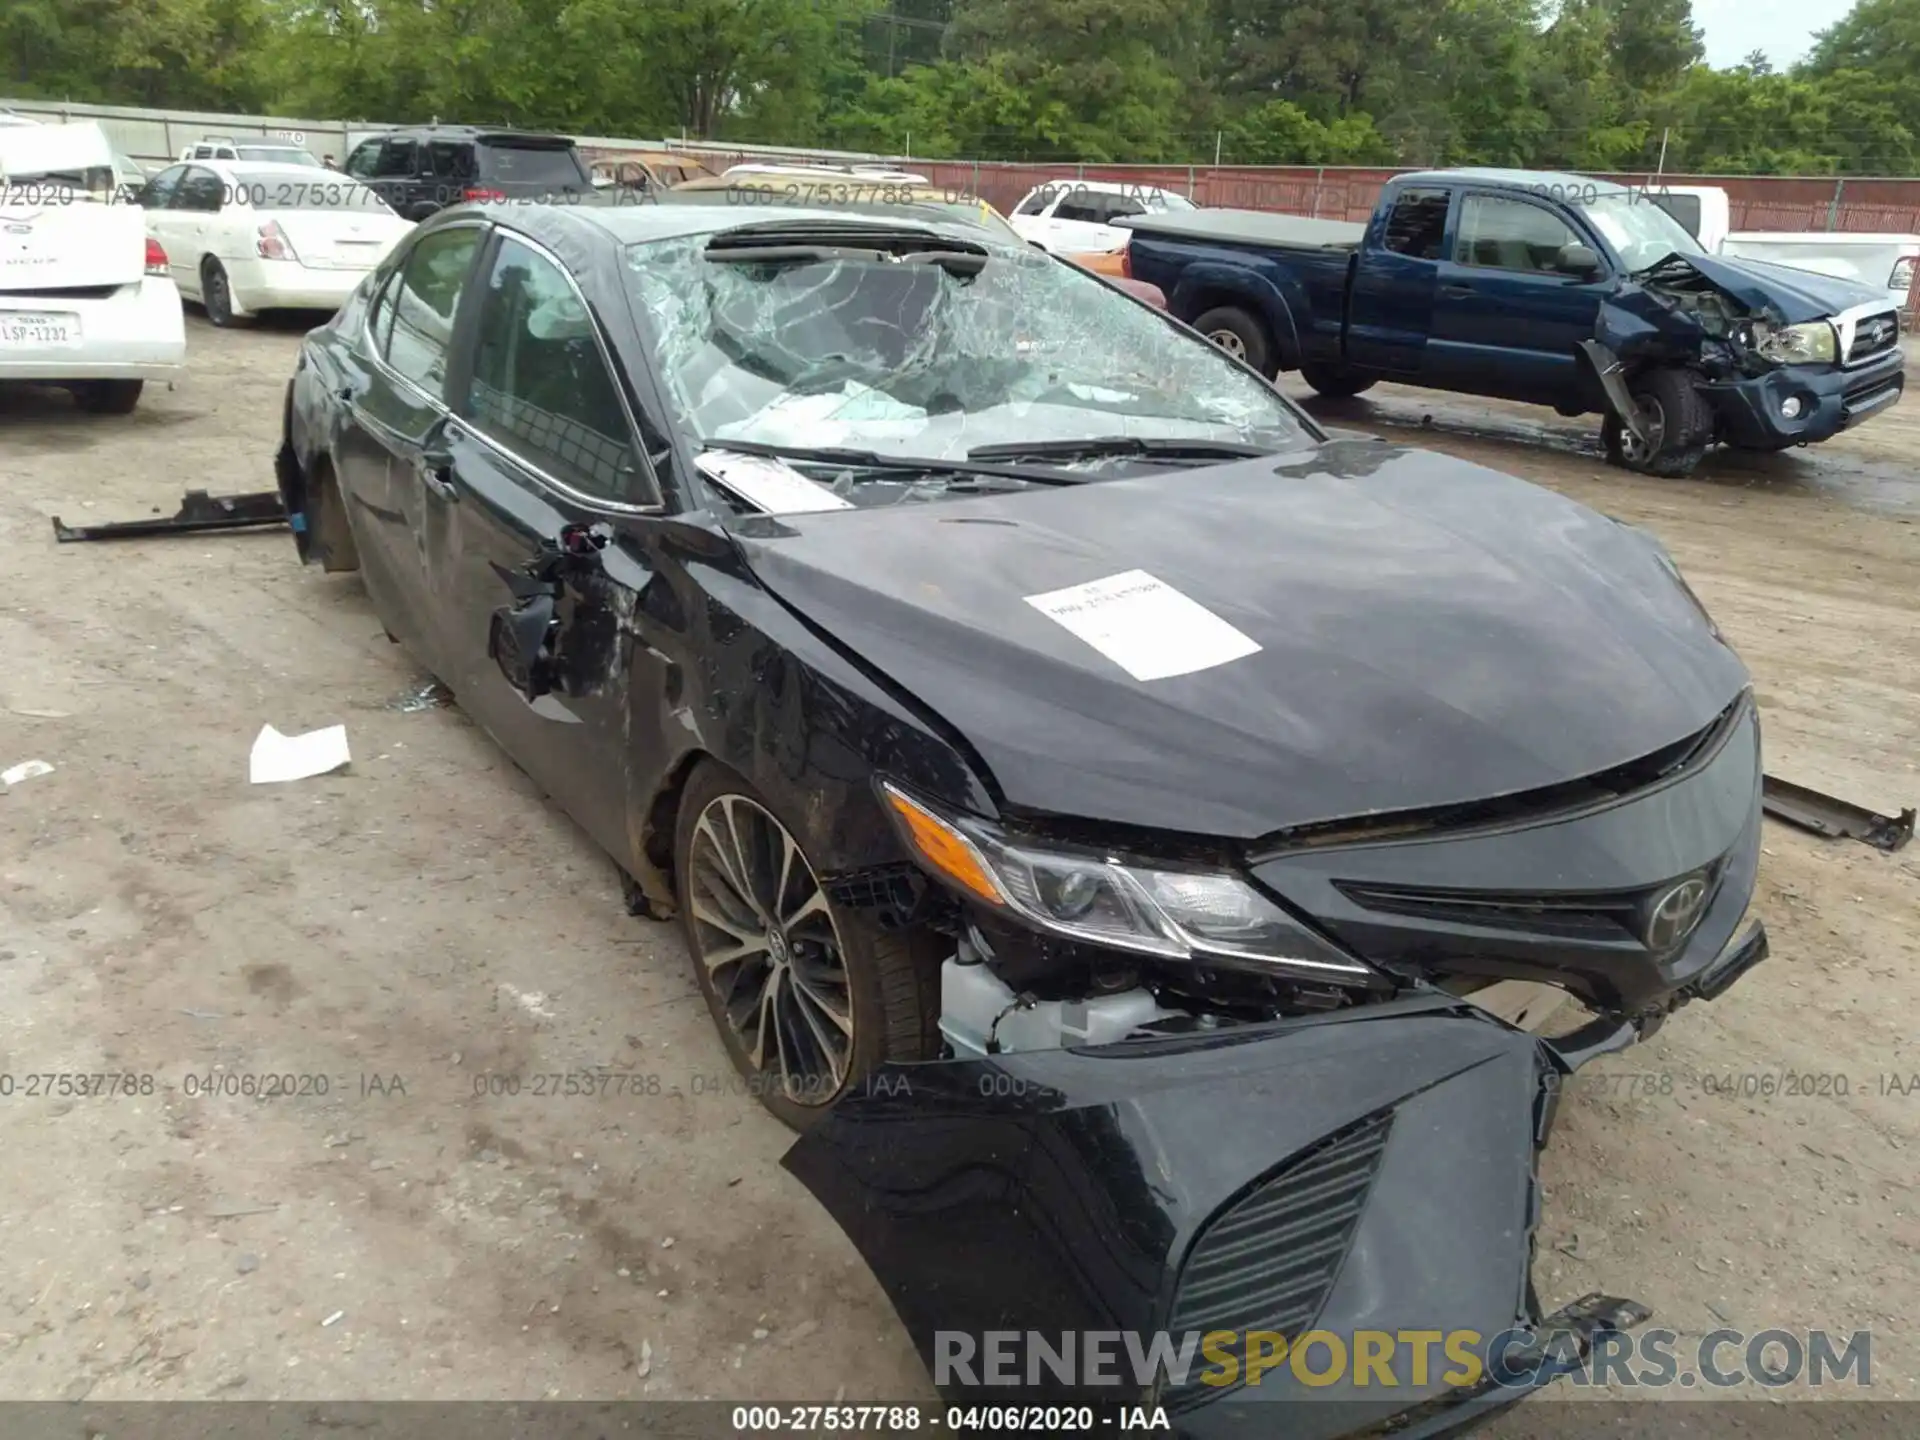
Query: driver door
point(542, 446)
point(1506, 318)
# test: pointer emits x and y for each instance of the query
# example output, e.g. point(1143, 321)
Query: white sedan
point(86, 300)
point(243, 238)
point(1075, 217)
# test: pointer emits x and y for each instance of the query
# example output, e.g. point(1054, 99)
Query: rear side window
point(426, 293)
point(1036, 202)
point(450, 160)
point(201, 190)
point(541, 386)
point(396, 160)
point(1417, 225)
point(1684, 208)
point(529, 164)
point(159, 191)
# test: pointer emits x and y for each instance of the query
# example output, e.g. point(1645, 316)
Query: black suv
point(429, 167)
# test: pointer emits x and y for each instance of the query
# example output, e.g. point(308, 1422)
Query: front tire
point(809, 996)
point(108, 397)
point(1333, 383)
point(1678, 422)
point(1239, 334)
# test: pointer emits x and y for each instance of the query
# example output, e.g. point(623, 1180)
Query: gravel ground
point(395, 933)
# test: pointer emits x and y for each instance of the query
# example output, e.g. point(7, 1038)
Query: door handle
point(1456, 290)
point(436, 473)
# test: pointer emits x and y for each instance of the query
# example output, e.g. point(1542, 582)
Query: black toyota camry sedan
point(1132, 834)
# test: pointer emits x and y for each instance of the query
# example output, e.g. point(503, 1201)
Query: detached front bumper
point(1062, 1227)
point(1830, 399)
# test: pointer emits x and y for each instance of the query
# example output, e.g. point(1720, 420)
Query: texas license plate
point(23, 331)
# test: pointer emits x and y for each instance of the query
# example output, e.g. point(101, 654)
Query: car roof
point(468, 132)
point(1549, 181)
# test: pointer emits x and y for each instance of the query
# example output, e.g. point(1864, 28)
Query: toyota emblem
point(1672, 916)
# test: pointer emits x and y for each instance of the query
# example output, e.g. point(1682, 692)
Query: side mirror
point(1577, 260)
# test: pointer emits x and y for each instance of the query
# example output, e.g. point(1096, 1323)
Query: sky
point(1782, 28)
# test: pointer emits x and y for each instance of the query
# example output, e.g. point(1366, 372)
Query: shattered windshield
point(926, 361)
point(1640, 232)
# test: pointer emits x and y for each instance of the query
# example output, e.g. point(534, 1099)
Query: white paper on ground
point(25, 770)
point(278, 757)
point(768, 483)
point(1147, 628)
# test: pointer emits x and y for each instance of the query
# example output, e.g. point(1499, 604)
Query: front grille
point(1874, 336)
point(1269, 1260)
point(1570, 916)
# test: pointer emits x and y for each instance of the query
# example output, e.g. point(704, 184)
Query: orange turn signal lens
point(944, 849)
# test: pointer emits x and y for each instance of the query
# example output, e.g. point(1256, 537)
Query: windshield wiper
point(1142, 445)
point(855, 459)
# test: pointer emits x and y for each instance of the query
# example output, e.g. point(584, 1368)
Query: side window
point(1082, 207)
point(450, 160)
point(541, 386)
point(365, 158)
point(396, 161)
point(201, 190)
point(1510, 235)
point(160, 190)
point(1119, 205)
point(1036, 202)
point(425, 295)
point(1417, 225)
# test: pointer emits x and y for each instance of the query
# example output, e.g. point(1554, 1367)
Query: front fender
point(739, 677)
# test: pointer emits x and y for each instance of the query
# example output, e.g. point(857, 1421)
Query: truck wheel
point(108, 397)
point(1336, 383)
point(1239, 334)
point(1678, 423)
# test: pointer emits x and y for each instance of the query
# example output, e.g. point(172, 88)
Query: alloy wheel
point(765, 935)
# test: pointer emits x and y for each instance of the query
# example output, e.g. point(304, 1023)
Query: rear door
point(393, 175)
point(386, 456)
point(1506, 318)
point(195, 214)
point(544, 441)
point(450, 171)
point(1390, 304)
point(156, 204)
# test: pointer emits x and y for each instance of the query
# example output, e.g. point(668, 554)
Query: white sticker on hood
point(768, 483)
point(1147, 628)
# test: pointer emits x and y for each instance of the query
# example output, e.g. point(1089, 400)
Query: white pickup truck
point(86, 299)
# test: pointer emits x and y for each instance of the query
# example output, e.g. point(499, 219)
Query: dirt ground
point(425, 919)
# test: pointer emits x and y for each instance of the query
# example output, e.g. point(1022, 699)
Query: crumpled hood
point(1430, 632)
point(1799, 295)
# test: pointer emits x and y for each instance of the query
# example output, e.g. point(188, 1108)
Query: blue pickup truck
point(1551, 289)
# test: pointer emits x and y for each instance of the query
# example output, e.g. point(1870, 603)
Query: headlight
point(1814, 342)
point(1176, 914)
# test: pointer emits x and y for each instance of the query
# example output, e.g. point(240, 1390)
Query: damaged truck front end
point(1165, 1222)
point(1697, 350)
